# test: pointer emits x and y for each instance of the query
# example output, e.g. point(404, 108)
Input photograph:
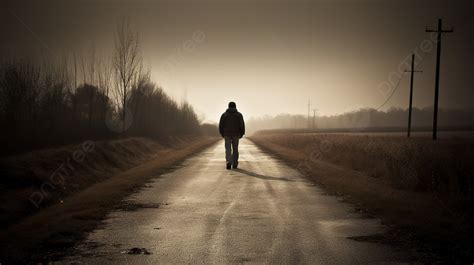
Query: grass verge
point(387, 177)
point(57, 227)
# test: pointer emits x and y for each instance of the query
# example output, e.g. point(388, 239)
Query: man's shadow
point(260, 176)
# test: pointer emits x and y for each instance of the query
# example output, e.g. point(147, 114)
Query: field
point(422, 185)
point(420, 164)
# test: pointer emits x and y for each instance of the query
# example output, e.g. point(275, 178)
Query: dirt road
point(264, 212)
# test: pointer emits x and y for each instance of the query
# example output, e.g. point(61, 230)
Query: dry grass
point(445, 166)
point(38, 179)
point(58, 226)
point(418, 185)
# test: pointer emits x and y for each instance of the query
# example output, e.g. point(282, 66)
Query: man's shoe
point(228, 165)
point(234, 166)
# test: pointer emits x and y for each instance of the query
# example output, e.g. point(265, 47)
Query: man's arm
point(242, 126)
point(221, 126)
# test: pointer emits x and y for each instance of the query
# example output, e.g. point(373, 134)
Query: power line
point(465, 19)
point(309, 110)
point(314, 118)
point(391, 95)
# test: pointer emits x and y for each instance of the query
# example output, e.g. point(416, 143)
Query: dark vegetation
point(70, 208)
point(86, 96)
point(38, 179)
point(89, 126)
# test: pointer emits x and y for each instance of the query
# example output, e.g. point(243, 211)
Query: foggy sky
point(270, 57)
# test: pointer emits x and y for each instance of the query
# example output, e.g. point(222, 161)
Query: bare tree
point(51, 102)
point(92, 81)
point(104, 82)
point(127, 63)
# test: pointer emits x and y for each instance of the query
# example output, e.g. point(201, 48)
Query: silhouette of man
point(232, 128)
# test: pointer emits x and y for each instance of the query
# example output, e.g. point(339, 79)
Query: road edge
point(402, 233)
point(49, 234)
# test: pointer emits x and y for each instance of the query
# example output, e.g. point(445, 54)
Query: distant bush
point(210, 129)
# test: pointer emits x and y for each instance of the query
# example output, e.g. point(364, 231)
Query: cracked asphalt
point(263, 212)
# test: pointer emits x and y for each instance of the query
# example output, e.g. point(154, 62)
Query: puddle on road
point(136, 251)
point(132, 206)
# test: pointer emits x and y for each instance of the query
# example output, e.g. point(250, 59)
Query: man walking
point(232, 128)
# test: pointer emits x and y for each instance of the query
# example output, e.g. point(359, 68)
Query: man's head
point(232, 105)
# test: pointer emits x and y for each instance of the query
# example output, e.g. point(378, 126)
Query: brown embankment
point(75, 186)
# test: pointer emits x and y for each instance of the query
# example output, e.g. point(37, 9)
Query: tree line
point(368, 119)
point(87, 96)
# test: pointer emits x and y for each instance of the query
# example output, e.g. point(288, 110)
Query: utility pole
point(309, 107)
point(314, 119)
point(412, 71)
point(439, 32)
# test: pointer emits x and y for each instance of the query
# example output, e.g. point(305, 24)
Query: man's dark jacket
point(232, 123)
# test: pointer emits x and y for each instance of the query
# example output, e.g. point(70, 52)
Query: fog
point(268, 56)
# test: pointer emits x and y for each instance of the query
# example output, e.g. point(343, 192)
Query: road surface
point(265, 212)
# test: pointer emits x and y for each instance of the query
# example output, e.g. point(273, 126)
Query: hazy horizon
point(270, 57)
